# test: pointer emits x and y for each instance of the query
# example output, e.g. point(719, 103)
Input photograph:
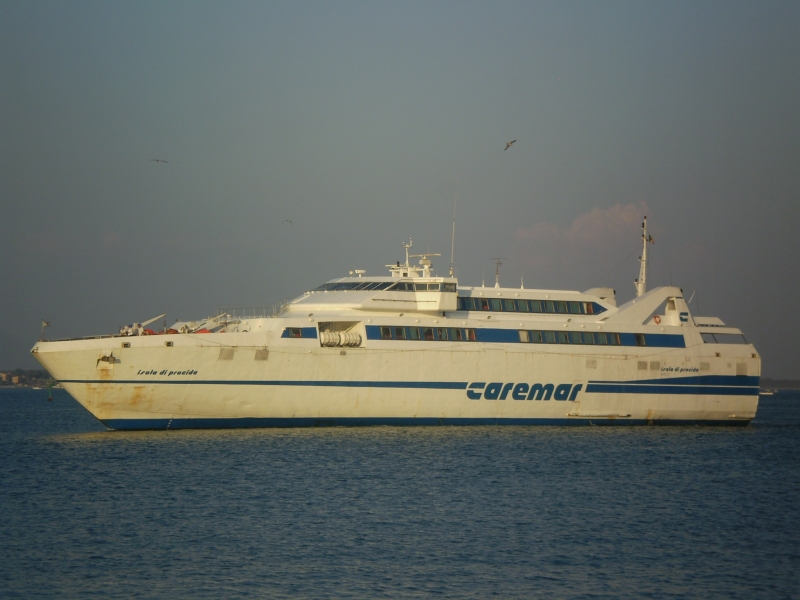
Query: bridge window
point(449, 287)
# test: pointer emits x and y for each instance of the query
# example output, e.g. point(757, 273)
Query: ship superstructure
point(415, 348)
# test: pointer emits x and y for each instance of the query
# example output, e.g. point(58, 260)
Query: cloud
point(592, 243)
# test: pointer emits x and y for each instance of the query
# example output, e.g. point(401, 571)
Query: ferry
point(416, 348)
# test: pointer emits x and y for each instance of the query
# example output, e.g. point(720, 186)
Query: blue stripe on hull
point(145, 424)
point(432, 385)
point(624, 388)
point(726, 380)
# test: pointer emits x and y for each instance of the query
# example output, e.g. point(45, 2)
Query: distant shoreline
point(779, 384)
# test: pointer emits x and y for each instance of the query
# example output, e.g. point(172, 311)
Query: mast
point(641, 283)
point(497, 271)
point(453, 240)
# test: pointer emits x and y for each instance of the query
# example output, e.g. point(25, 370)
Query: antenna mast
point(453, 242)
point(497, 271)
point(641, 283)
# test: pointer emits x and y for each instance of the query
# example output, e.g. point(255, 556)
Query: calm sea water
point(385, 512)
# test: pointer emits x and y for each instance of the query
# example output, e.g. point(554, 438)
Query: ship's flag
point(650, 239)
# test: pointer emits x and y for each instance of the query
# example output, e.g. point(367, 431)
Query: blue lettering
point(541, 390)
point(519, 391)
point(492, 391)
point(478, 385)
point(562, 391)
point(499, 391)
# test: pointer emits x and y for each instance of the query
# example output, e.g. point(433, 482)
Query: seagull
point(289, 222)
point(508, 145)
point(159, 160)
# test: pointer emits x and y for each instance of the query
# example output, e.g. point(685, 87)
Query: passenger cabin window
point(399, 333)
point(450, 287)
point(295, 332)
point(413, 333)
point(386, 333)
point(640, 341)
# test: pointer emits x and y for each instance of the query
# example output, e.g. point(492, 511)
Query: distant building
point(4, 377)
point(15, 379)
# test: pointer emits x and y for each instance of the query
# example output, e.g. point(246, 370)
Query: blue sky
point(362, 121)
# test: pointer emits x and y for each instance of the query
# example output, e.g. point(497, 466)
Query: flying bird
point(508, 145)
point(289, 222)
point(159, 160)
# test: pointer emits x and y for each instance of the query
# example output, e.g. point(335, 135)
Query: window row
point(529, 306)
point(723, 338)
point(409, 286)
point(353, 286)
point(402, 286)
point(441, 334)
point(595, 338)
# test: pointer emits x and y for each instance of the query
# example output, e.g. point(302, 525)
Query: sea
point(397, 512)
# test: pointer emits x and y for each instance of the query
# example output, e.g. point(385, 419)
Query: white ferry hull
point(188, 385)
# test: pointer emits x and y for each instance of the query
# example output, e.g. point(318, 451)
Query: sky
point(365, 124)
